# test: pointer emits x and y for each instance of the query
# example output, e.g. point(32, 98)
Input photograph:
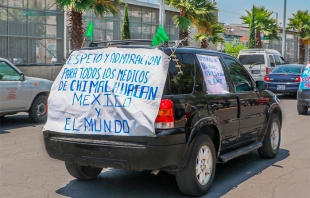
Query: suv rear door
point(251, 113)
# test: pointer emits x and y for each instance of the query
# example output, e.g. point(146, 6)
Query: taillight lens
point(267, 70)
point(297, 79)
point(266, 78)
point(165, 116)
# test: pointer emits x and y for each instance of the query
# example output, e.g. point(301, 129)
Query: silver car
point(20, 93)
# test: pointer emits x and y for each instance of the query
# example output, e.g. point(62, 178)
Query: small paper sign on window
point(213, 74)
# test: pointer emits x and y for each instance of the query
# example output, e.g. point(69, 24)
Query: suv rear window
point(249, 59)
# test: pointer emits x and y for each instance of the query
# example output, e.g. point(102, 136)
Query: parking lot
point(27, 171)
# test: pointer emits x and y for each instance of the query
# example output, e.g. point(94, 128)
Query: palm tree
point(301, 22)
point(76, 9)
point(212, 36)
point(263, 24)
point(192, 12)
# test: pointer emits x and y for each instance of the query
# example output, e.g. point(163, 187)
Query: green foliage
point(252, 31)
point(234, 49)
point(125, 27)
point(263, 22)
point(301, 22)
point(197, 13)
point(213, 37)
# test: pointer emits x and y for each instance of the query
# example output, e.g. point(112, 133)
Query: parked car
point(260, 62)
point(210, 111)
point(303, 94)
point(285, 78)
point(20, 93)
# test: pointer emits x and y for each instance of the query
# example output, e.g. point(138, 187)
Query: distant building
point(240, 32)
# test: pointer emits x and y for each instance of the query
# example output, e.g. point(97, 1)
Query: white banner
point(109, 91)
point(213, 74)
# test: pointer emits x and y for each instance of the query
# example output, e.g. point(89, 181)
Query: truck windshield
point(249, 59)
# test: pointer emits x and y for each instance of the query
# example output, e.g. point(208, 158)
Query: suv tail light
point(266, 78)
point(267, 70)
point(297, 79)
point(165, 116)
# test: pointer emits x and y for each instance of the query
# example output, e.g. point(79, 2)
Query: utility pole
point(161, 12)
point(283, 32)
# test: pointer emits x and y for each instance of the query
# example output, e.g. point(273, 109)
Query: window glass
point(272, 64)
point(7, 73)
point(277, 60)
point(239, 77)
point(182, 83)
point(249, 59)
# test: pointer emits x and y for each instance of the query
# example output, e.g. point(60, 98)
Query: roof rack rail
point(124, 42)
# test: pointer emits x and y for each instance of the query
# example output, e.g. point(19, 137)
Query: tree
point(263, 24)
point(301, 22)
point(125, 27)
point(213, 36)
point(192, 12)
point(233, 49)
point(76, 9)
point(252, 31)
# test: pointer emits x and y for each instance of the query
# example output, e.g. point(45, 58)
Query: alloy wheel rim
point(41, 109)
point(274, 135)
point(204, 163)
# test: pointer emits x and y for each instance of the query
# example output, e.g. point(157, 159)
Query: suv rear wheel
point(272, 139)
point(83, 172)
point(197, 176)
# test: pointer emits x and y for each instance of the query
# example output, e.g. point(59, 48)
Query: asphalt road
point(27, 171)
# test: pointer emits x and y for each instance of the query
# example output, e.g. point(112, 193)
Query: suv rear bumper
point(149, 154)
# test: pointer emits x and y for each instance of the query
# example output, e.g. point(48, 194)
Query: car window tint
point(182, 83)
point(288, 70)
point(277, 60)
point(249, 59)
point(271, 59)
point(239, 77)
point(7, 73)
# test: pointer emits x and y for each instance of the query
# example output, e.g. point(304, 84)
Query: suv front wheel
point(197, 176)
point(272, 139)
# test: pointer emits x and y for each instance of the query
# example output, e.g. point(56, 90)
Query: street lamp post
point(283, 32)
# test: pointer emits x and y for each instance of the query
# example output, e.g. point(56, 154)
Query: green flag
point(160, 36)
point(90, 31)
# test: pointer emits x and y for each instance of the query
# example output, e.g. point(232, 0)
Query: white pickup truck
point(20, 93)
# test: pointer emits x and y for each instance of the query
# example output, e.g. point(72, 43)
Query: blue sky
point(231, 10)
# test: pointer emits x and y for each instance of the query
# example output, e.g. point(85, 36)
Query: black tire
point(187, 178)
point(302, 109)
point(83, 172)
point(272, 139)
point(38, 110)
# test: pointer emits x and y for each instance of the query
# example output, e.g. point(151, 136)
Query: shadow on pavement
point(287, 96)
point(125, 183)
point(15, 122)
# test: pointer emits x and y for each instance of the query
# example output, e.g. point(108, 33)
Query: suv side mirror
point(261, 85)
point(22, 77)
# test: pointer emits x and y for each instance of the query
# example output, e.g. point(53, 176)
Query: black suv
point(205, 128)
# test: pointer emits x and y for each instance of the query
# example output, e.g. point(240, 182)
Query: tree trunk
point(258, 40)
point(184, 34)
point(301, 56)
point(77, 30)
point(204, 43)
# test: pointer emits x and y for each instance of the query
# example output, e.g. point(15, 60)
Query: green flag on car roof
point(90, 31)
point(160, 36)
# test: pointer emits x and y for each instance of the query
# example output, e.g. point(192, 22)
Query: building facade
point(34, 34)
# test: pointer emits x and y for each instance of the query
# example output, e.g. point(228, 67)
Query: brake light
point(297, 79)
point(267, 70)
point(46, 108)
point(266, 78)
point(165, 116)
